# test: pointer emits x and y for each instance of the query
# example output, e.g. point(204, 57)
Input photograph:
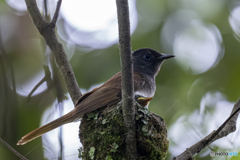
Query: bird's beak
point(165, 56)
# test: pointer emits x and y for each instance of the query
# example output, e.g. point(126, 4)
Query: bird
point(146, 65)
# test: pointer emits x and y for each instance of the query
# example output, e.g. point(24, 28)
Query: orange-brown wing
point(115, 81)
point(116, 78)
point(98, 99)
point(86, 95)
point(108, 93)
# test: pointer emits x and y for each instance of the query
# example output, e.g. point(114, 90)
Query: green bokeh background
point(23, 50)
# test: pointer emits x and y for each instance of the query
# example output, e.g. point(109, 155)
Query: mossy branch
point(102, 134)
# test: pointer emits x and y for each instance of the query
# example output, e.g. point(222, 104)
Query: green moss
point(105, 133)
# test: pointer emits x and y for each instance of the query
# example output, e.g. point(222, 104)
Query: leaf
point(96, 116)
point(91, 115)
point(91, 152)
point(103, 132)
point(104, 121)
point(114, 147)
point(80, 152)
point(108, 158)
point(145, 111)
point(145, 128)
point(144, 121)
point(138, 117)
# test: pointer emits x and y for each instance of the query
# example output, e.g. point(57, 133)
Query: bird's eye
point(147, 56)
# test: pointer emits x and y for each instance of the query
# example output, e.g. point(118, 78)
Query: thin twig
point(127, 77)
point(222, 126)
point(45, 7)
point(13, 150)
point(46, 14)
point(36, 87)
point(226, 128)
point(47, 31)
point(33, 149)
point(55, 17)
point(60, 136)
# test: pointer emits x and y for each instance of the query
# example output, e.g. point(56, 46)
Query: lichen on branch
point(102, 131)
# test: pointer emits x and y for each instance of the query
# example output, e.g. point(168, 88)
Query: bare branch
point(127, 77)
point(55, 17)
point(47, 31)
point(45, 7)
point(226, 128)
point(13, 150)
point(45, 78)
point(234, 113)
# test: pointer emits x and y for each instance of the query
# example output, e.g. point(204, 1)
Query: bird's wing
point(84, 96)
point(107, 94)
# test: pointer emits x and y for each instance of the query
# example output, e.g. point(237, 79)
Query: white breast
point(144, 94)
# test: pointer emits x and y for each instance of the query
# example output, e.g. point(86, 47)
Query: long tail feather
point(48, 127)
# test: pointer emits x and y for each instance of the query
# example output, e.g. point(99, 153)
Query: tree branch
point(226, 128)
point(55, 17)
point(12, 149)
point(45, 78)
point(127, 77)
point(47, 31)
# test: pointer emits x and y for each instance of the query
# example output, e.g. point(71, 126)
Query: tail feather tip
point(20, 142)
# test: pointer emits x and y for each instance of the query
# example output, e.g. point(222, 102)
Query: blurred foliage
point(179, 92)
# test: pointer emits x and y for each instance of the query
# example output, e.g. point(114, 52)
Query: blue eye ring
point(147, 56)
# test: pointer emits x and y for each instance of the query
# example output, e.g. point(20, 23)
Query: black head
point(148, 61)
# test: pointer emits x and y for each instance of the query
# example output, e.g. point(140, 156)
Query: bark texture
point(127, 77)
point(47, 30)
